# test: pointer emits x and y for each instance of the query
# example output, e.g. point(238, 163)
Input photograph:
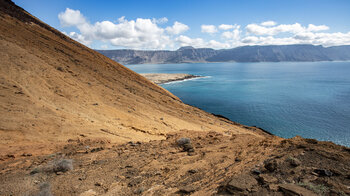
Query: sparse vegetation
point(317, 188)
point(62, 165)
point(45, 189)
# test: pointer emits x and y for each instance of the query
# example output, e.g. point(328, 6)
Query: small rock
point(135, 181)
point(256, 171)
point(88, 193)
point(273, 187)
point(59, 173)
point(183, 141)
point(191, 153)
point(271, 165)
point(238, 159)
point(323, 172)
point(192, 171)
point(186, 190)
point(267, 179)
point(60, 69)
point(97, 149)
point(294, 162)
point(139, 190)
point(240, 183)
point(11, 156)
point(188, 147)
point(34, 171)
point(98, 184)
point(295, 190)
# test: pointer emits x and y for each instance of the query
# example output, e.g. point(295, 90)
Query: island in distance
point(271, 53)
point(161, 78)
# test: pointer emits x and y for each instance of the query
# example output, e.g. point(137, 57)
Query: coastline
point(162, 78)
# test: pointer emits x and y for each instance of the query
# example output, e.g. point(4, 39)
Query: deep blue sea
point(310, 99)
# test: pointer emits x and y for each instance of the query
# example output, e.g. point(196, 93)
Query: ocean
point(310, 99)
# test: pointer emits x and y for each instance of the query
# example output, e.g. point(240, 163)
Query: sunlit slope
point(54, 89)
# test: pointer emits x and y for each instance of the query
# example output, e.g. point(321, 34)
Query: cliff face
point(54, 89)
point(241, 54)
point(183, 55)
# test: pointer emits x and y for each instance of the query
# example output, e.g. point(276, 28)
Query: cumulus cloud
point(160, 20)
point(145, 33)
point(312, 27)
point(233, 35)
point(262, 35)
point(200, 43)
point(140, 33)
point(261, 30)
point(283, 28)
point(177, 28)
point(268, 23)
point(227, 26)
point(71, 18)
point(209, 29)
point(80, 38)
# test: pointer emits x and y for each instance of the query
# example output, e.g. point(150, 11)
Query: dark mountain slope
point(273, 53)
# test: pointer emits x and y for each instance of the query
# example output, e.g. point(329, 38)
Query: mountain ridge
point(74, 122)
point(268, 53)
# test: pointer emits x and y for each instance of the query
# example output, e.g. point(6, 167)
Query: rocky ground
point(74, 122)
point(160, 78)
point(190, 163)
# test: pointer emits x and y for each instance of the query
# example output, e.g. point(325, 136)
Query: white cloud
point(232, 35)
point(283, 28)
point(139, 34)
point(177, 28)
point(71, 18)
point(209, 29)
point(312, 27)
point(200, 43)
point(261, 30)
point(80, 38)
point(160, 20)
point(227, 27)
point(268, 23)
point(143, 33)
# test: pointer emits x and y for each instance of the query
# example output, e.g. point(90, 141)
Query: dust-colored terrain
point(74, 122)
point(160, 78)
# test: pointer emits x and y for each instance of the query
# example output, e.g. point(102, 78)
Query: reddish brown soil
point(60, 100)
point(161, 167)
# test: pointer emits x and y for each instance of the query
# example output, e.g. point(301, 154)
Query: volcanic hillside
point(54, 89)
point(74, 122)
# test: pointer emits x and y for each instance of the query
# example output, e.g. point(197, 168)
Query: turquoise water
point(287, 99)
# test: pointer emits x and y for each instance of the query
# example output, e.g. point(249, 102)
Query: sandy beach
point(161, 78)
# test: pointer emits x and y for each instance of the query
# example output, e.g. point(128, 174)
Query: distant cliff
point(272, 53)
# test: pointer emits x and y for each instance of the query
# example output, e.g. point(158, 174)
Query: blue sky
point(166, 24)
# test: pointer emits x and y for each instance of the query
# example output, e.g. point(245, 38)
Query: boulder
point(242, 183)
